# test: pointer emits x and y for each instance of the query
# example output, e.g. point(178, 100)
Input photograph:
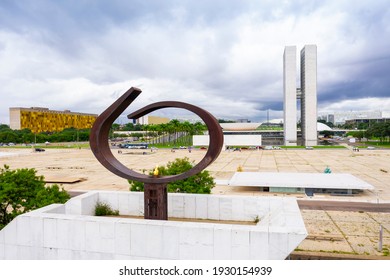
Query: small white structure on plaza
point(235, 134)
point(230, 140)
point(307, 93)
point(337, 183)
point(70, 231)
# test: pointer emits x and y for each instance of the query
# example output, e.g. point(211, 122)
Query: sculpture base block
point(155, 201)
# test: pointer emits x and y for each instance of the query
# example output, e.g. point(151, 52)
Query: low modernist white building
point(230, 140)
point(234, 134)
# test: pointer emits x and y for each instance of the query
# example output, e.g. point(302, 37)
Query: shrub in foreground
point(201, 183)
point(21, 191)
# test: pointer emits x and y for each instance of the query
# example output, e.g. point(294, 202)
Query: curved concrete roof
point(322, 126)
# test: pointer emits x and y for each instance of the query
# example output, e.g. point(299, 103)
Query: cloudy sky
point(223, 55)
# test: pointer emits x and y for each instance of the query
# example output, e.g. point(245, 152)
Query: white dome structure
point(322, 127)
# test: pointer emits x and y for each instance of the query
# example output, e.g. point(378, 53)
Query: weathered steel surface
point(155, 201)
point(101, 128)
point(155, 188)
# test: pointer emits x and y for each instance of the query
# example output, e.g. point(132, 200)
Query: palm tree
point(175, 126)
point(187, 128)
point(146, 129)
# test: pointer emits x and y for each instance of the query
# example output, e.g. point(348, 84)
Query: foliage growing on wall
point(104, 209)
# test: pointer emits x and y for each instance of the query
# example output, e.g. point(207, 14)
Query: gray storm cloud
point(225, 56)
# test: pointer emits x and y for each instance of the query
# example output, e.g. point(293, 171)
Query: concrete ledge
point(71, 232)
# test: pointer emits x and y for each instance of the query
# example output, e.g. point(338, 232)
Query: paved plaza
point(329, 231)
point(372, 166)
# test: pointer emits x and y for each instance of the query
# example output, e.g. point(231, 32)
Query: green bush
point(202, 182)
point(103, 209)
point(21, 191)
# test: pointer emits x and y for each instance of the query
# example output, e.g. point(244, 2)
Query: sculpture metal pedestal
point(155, 201)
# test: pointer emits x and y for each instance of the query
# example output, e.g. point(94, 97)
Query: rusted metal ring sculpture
point(101, 128)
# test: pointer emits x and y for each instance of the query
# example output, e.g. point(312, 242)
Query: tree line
point(380, 131)
point(8, 135)
point(175, 132)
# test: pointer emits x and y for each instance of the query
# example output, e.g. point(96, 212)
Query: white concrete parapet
point(71, 232)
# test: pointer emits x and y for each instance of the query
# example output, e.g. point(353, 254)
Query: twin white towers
point(307, 93)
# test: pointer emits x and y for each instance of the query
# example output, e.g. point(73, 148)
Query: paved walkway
point(70, 164)
point(346, 232)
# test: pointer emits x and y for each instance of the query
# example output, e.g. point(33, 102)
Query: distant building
point(356, 122)
point(243, 121)
point(307, 94)
point(39, 119)
point(339, 118)
point(152, 120)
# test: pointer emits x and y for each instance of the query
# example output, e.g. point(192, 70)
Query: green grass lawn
point(374, 144)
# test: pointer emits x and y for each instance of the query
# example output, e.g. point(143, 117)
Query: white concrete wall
point(230, 140)
point(290, 95)
point(14, 118)
point(309, 91)
point(63, 232)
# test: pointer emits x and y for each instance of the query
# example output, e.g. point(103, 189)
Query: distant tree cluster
point(128, 127)
point(8, 135)
point(175, 132)
point(225, 121)
point(379, 130)
point(21, 191)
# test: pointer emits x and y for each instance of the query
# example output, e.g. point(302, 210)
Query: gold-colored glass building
point(39, 119)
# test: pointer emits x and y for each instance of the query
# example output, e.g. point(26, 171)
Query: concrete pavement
point(330, 230)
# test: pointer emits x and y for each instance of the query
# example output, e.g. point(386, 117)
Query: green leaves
point(379, 130)
point(21, 190)
point(103, 209)
point(202, 182)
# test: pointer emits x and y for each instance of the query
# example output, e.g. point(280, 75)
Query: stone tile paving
point(352, 232)
point(346, 232)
